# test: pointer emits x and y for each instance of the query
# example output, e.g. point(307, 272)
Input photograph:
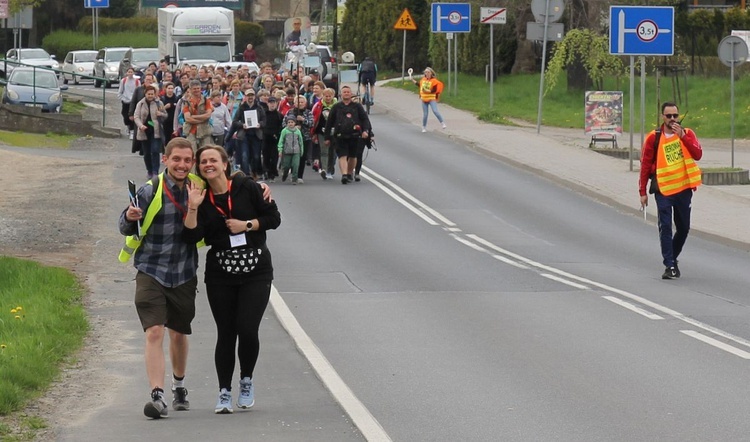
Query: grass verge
point(42, 323)
point(516, 97)
point(25, 139)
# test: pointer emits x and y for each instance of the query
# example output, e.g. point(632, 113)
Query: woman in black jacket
point(232, 216)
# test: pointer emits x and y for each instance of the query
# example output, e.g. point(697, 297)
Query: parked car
point(251, 65)
point(34, 88)
point(328, 69)
point(107, 64)
point(27, 56)
point(77, 62)
point(138, 59)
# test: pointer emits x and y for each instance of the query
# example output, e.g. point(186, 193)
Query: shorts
point(346, 147)
point(367, 78)
point(173, 307)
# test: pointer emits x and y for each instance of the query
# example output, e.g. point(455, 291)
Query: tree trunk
point(578, 78)
point(525, 62)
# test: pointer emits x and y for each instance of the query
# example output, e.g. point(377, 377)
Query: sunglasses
point(675, 116)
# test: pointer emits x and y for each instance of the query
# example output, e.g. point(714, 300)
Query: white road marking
point(409, 196)
point(718, 344)
point(564, 281)
point(516, 260)
point(359, 414)
point(400, 200)
point(632, 307)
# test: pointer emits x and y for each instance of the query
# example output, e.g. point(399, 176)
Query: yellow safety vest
point(132, 242)
point(675, 168)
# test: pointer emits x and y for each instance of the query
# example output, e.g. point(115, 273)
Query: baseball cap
point(314, 72)
point(250, 91)
point(272, 99)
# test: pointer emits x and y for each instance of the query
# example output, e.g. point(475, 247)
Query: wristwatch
point(250, 225)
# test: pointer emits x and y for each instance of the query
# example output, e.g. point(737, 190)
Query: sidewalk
point(563, 156)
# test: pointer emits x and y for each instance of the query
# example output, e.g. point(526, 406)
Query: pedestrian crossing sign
point(405, 22)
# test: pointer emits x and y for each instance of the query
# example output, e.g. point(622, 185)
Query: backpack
point(347, 123)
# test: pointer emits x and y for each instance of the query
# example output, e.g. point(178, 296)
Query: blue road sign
point(451, 17)
point(641, 30)
point(96, 3)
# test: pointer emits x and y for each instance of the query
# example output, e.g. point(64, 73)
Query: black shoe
point(357, 178)
point(323, 174)
point(670, 273)
point(676, 270)
point(180, 402)
point(344, 180)
point(285, 175)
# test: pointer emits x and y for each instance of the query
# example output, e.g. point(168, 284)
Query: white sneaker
point(224, 403)
point(130, 134)
point(443, 125)
point(424, 129)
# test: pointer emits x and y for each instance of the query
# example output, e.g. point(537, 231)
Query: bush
point(62, 42)
point(114, 25)
point(247, 32)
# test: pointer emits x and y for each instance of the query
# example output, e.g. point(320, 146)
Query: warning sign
point(405, 22)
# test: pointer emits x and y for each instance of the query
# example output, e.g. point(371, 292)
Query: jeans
point(426, 111)
point(151, 149)
point(681, 203)
point(250, 149)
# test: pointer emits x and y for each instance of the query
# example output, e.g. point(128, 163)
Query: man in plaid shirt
point(166, 282)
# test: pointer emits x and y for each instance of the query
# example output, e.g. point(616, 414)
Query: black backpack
point(347, 122)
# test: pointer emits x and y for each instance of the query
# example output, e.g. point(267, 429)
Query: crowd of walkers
point(258, 117)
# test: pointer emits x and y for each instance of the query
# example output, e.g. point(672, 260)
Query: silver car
point(107, 64)
point(79, 63)
point(27, 57)
point(33, 87)
point(138, 59)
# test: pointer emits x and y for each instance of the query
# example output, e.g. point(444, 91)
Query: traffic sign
point(96, 3)
point(451, 17)
point(405, 22)
point(493, 16)
point(552, 9)
point(535, 31)
point(641, 30)
point(733, 51)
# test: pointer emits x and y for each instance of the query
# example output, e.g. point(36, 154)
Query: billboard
point(229, 4)
point(603, 112)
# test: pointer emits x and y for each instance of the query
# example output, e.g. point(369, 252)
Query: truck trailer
point(196, 33)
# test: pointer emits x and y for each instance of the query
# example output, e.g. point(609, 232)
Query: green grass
point(516, 97)
point(73, 107)
point(24, 139)
point(42, 323)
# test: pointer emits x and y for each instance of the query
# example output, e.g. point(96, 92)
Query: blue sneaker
point(247, 393)
point(224, 403)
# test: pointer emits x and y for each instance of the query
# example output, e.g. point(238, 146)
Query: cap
point(314, 72)
point(272, 99)
point(250, 91)
point(290, 118)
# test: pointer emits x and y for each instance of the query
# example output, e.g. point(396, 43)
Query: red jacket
point(648, 155)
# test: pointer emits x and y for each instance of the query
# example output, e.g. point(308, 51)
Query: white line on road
point(400, 200)
point(564, 281)
point(718, 344)
point(632, 307)
point(359, 414)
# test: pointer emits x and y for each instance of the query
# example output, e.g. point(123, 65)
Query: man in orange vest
point(668, 157)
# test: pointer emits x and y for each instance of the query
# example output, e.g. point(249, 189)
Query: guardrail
point(60, 74)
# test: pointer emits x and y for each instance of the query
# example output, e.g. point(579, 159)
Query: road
point(459, 298)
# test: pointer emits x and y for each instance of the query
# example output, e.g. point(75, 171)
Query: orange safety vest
point(425, 89)
point(675, 168)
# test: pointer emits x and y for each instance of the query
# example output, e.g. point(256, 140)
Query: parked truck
point(196, 33)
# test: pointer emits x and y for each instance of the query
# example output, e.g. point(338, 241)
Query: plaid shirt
point(162, 254)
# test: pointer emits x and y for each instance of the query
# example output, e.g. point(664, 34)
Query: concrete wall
point(18, 118)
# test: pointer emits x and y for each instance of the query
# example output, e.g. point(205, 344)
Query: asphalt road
point(458, 298)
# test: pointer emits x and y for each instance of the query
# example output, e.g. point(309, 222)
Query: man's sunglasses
point(675, 116)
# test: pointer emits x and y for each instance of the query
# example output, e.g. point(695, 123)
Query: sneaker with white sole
point(156, 408)
point(443, 125)
point(247, 393)
point(424, 129)
point(224, 403)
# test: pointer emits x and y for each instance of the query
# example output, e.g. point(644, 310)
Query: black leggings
point(237, 311)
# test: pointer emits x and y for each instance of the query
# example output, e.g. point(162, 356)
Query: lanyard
point(229, 200)
point(176, 204)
